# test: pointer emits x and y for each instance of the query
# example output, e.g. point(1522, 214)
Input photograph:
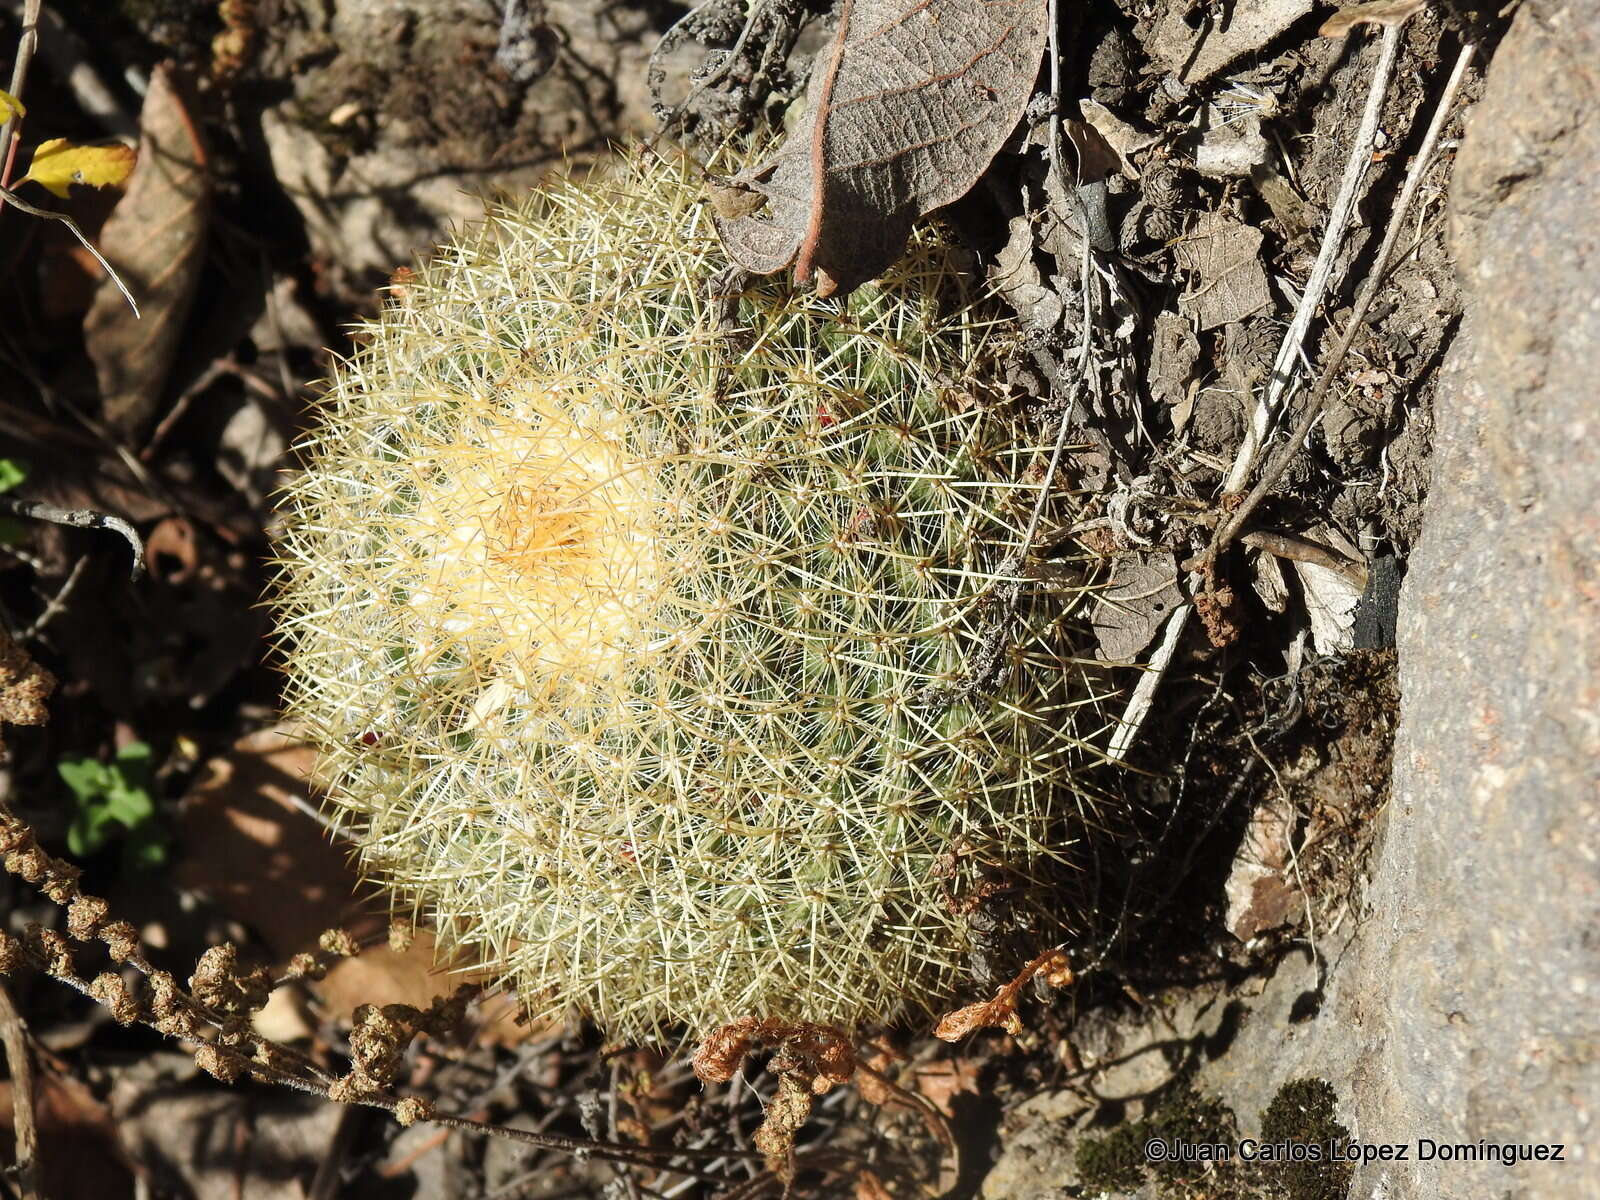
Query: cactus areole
point(636, 628)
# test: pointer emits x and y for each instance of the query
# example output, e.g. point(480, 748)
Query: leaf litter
point(908, 103)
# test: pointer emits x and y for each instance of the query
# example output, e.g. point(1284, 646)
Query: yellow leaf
point(10, 107)
point(58, 164)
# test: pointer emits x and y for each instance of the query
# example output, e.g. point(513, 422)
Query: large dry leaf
point(155, 238)
point(1136, 605)
point(1195, 50)
point(908, 103)
point(1230, 282)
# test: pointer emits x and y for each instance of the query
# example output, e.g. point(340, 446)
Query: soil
point(340, 140)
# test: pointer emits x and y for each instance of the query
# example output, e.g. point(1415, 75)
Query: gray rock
point(1478, 977)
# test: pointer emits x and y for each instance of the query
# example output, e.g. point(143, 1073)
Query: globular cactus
point(638, 629)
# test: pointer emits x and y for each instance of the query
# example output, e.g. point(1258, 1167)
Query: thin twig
point(79, 518)
point(67, 56)
point(57, 602)
point(48, 215)
point(1292, 349)
point(11, 134)
point(19, 1059)
point(1298, 549)
point(613, 1105)
point(1274, 470)
point(1138, 708)
point(935, 1120)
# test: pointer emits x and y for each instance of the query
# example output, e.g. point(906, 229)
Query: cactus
point(635, 627)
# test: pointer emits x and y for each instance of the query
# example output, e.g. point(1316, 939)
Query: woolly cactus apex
point(634, 627)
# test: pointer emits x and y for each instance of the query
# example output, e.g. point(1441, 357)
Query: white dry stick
point(1133, 717)
point(17, 201)
point(1419, 168)
point(1279, 463)
point(1285, 368)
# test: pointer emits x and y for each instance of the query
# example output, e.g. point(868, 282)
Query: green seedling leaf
point(12, 472)
point(114, 802)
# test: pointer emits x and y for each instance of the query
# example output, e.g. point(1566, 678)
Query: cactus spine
point(633, 630)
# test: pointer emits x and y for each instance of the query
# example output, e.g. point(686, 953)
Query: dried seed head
point(169, 1007)
point(112, 991)
point(340, 942)
point(121, 939)
point(412, 1109)
point(220, 984)
point(634, 638)
point(379, 1038)
point(402, 931)
point(223, 1064)
point(306, 966)
point(86, 917)
point(50, 950)
point(12, 956)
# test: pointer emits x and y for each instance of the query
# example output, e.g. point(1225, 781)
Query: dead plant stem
point(1285, 368)
point(1144, 693)
point(11, 134)
point(19, 1059)
point(1274, 470)
point(79, 518)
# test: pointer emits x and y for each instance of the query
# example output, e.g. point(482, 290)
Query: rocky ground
point(1363, 899)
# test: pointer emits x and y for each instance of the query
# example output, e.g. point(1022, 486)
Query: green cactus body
point(633, 637)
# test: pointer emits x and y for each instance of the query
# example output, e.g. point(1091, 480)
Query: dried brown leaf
point(156, 240)
point(1133, 609)
point(1001, 1012)
point(820, 1055)
point(717, 1058)
point(1057, 970)
point(941, 1082)
point(908, 103)
point(1230, 282)
point(1094, 158)
point(1378, 12)
point(810, 1060)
